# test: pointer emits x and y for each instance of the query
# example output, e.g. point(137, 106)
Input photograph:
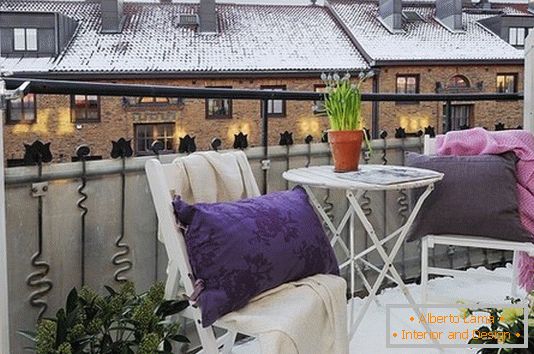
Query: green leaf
point(72, 300)
point(179, 338)
point(167, 346)
point(61, 335)
point(171, 307)
point(110, 290)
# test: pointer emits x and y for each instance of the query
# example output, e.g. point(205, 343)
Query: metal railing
point(93, 222)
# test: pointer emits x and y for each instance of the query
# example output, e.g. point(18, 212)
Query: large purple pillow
point(241, 249)
point(477, 197)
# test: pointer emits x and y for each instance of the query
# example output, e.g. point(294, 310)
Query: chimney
point(207, 14)
point(390, 12)
point(111, 16)
point(484, 5)
point(449, 13)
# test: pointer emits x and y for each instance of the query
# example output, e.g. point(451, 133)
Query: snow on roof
point(29, 64)
point(251, 38)
point(425, 40)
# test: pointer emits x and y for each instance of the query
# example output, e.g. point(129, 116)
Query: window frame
point(516, 83)
point(154, 125)
point(25, 33)
point(317, 111)
point(219, 116)
point(271, 102)
point(417, 87)
point(519, 41)
point(470, 119)
point(10, 121)
point(154, 102)
point(74, 109)
point(465, 79)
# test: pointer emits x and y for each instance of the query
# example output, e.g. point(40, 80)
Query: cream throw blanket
point(304, 317)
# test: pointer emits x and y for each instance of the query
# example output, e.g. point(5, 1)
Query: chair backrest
point(429, 145)
point(161, 187)
point(163, 180)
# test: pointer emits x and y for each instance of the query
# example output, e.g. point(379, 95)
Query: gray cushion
point(477, 197)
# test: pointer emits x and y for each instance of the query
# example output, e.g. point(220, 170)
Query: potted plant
point(121, 322)
point(343, 103)
point(507, 320)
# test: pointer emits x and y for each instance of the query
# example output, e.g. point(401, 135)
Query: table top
point(325, 177)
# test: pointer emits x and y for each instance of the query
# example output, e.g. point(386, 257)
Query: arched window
point(458, 82)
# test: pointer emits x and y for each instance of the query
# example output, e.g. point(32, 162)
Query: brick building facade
point(255, 47)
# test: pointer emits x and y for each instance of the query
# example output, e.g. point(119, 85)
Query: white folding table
point(324, 177)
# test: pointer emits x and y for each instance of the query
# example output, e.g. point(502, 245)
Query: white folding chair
point(430, 241)
point(163, 179)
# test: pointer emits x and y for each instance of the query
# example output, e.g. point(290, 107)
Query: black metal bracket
point(187, 145)
point(216, 144)
point(286, 139)
point(37, 153)
point(240, 141)
point(121, 148)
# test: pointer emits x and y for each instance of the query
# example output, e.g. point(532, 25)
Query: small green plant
point(507, 320)
point(121, 322)
point(343, 101)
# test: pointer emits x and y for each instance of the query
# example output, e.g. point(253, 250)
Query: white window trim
point(30, 41)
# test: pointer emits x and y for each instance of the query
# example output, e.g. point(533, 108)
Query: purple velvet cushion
point(241, 249)
point(477, 197)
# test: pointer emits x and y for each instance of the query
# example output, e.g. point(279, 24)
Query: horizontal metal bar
point(62, 87)
point(454, 273)
point(69, 170)
point(477, 242)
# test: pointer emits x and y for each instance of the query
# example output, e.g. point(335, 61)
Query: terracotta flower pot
point(346, 147)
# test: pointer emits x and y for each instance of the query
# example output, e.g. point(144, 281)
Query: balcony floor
point(475, 286)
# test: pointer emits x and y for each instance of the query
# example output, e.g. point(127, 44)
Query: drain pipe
point(5, 95)
point(375, 115)
point(528, 120)
point(4, 314)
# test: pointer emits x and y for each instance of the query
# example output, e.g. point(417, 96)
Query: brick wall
point(117, 119)
point(414, 116)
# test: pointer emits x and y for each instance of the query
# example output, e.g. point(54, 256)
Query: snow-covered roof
point(251, 38)
point(425, 40)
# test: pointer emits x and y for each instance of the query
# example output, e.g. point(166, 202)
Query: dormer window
point(517, 35)
point(411, 16)
point(34, 34)
point(25, 39)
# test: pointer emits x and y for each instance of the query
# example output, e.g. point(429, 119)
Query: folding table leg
point(388, 259)
point(424, 269)
point(335, 230)
point(515, 264)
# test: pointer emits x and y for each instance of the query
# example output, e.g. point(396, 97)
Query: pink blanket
point(478, 141)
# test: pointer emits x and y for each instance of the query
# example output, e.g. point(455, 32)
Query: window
point(408, 84)
point(517, 35)
point(461, 117)
point(275, 108)
point(85, 108)
point(318, 106)
point(458, 82)
point(506, 83)
point(25, 39)
point(23, 110)
point(153, 100)
point(146, 134)
point(218, 107)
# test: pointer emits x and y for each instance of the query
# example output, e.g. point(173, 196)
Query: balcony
point(93, 222)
